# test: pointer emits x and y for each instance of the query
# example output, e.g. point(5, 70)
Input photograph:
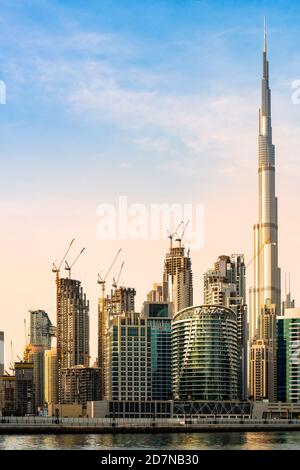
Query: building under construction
point(80, 384)
point(72, 327)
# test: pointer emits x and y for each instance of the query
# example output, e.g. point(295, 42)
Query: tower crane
point(56, 269)
point(116, 281)
point(69, 267)
point(171, 235)
point(179, 239)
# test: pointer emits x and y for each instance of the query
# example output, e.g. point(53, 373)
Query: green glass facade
point(205, 354)
point(288, 356)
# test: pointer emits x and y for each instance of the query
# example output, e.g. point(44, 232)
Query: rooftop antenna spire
point(265, 34)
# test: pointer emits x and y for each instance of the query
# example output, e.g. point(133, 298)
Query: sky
point(154, 100)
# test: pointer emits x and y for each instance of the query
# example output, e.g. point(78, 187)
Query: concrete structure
point(205, 354)
point(80, 384)
point(72, 327)
point(74, 410)
point(25, 395)
point(41, 329)
point(288, 356)
point(225, 284)
point(178, 278)
point(266, 291)
point(1, 353)
point(50, 376)
point(120, 300)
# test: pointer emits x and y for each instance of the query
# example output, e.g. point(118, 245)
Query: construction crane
point(179, 239)
point(171, 235)
point(56, 269)
point(102, 322)
point(116, 281)
point(69, 267)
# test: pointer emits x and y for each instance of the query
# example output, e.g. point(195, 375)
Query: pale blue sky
point(124, 86)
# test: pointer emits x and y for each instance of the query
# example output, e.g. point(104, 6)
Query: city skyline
point(49, 219)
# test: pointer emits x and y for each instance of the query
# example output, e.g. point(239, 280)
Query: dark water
point(201, 441)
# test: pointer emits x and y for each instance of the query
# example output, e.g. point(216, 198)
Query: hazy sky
point(156, 100)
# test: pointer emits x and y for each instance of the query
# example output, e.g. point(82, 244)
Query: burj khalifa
point(266, 291)
point(265, 295)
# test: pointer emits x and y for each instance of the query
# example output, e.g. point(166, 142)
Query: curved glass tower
point(205, 354)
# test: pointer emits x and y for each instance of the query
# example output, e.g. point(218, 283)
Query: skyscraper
point(120, 300)
point(72, 327)
point(41, 329)
point(205, 354)
point(34, 354)
point(50, 376)
point(158, 320)
point(288, 357)
point(25, 396)
point(265, 295)
point(178, 278)
point(225, 285)
point(128, 366)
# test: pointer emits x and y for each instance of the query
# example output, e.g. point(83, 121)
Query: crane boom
point(179, 239)
point(171, 235)
point(69, 267)
point(112, 264)
point(116, 281)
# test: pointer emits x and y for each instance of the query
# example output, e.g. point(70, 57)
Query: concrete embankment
point(154, 428)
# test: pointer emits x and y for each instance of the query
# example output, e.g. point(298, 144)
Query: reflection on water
point(201, 441)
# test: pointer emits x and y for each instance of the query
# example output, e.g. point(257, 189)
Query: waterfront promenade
point(49, 425)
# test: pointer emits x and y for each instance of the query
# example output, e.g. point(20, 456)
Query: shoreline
point(78, 429)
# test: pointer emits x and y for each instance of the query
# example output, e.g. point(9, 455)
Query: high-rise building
point(205, 354)
point(1, 353)
point(266, 292)
point(263, 362)
point(128, 359)
point(289, 302)
point(50, 376)
point(25, 396)
point(35, 355)
point(41, 328)
point(288, 356)
point(158, 317)
point(121, 300)
point(156, 294)
point(80, 384)
point(225, 285)
point(72, 327)
point(178, 278)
